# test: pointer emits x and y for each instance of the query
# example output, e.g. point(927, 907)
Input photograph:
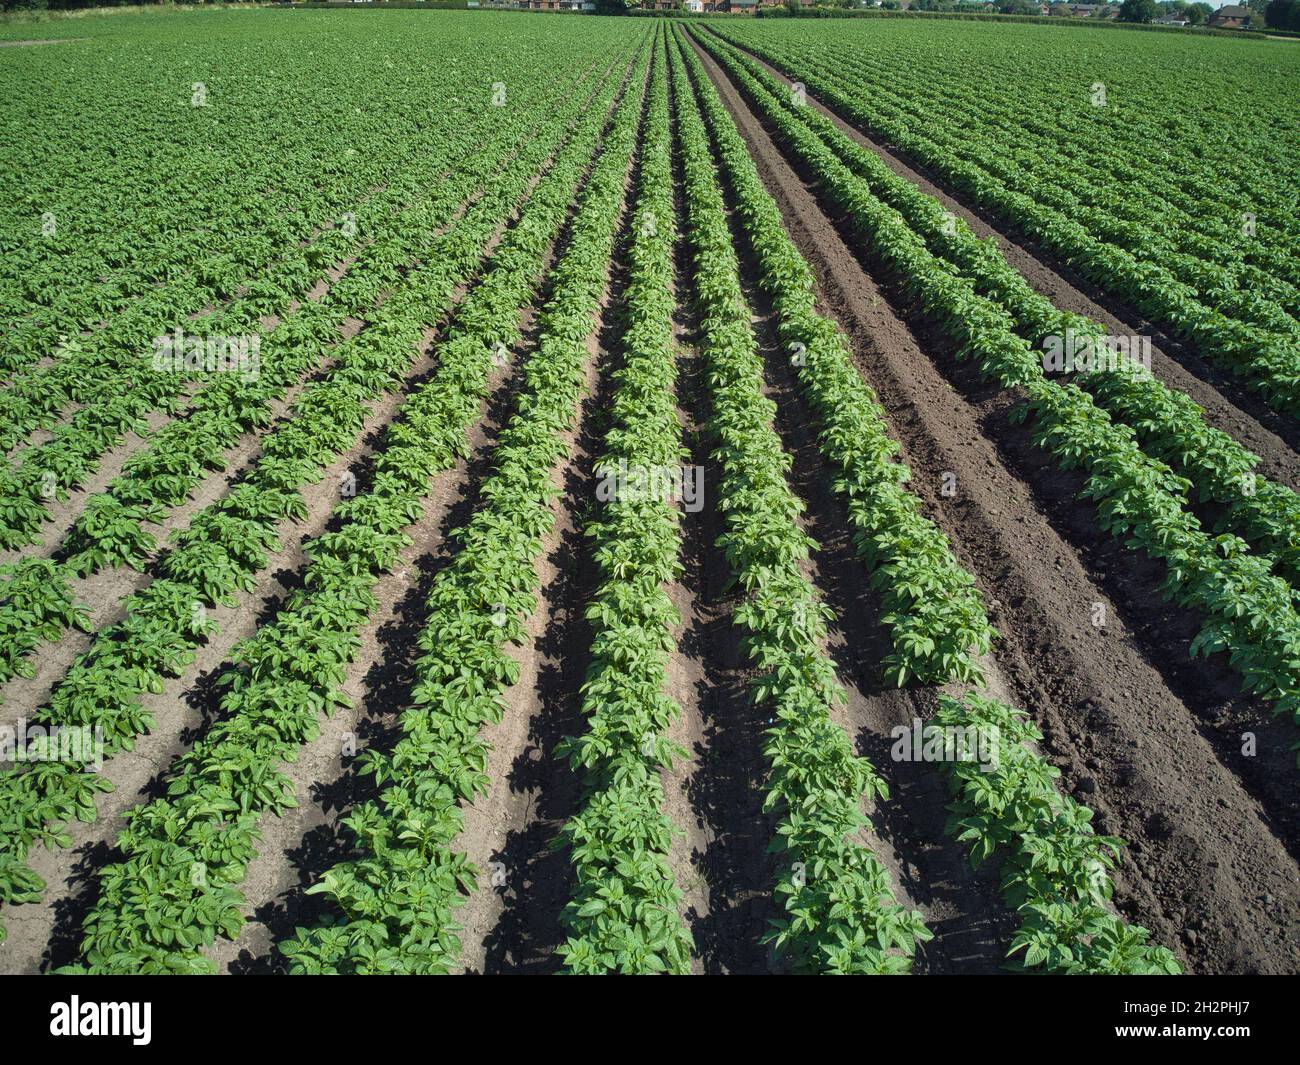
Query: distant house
point(741, 7)
point(1230, 17)
point(695, 6)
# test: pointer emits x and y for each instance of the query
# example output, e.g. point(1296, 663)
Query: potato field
point(488, 492)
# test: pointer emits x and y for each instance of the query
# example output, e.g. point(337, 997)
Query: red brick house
point(1230, 17)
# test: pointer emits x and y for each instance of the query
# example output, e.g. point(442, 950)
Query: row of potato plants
point(398, 896)
point(1054, 866)
point(137, 196)
point(932, 609)
point(140, 192)
point(112, 378)
point(761, 220)
point(111, 374)
point(182, 273)
point(1246, 611)
point(1141, 144)
point(1169, 425)
point(837, 909)
point(111, 529)
point(36, 605)
point(1266, 357)
point(228, 543)
point(90, 369)
point(623, 913)
point(1216, 268)
point(292, 670)
point(122, 378)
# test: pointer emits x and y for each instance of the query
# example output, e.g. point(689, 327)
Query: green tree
point(1138, 10)
point(1282, 15)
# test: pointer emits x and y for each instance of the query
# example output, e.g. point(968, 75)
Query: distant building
point(1230, 17)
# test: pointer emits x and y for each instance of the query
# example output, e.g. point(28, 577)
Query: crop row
point(1169, 425)
point(838, 911)
point(1214, 266)
point(187, 854)
point(1074, 135)
point(398, 897)
point(1051, 848)
point(229, 542)
point(111, 529)
point(126, 379)
point(623, 914)
point(1246, 610)
point(1055, 868)
point(1217, 317)
point(123, 197)
point(931, 607)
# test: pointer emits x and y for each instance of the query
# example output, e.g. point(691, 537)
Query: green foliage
point(1219, 269)
point(934, 613)
point(1246, 611)
point(399, 896)
point(623, 914)
point(838, 910)
point(1055, 868)
point(226, 544)
point(1138, 10)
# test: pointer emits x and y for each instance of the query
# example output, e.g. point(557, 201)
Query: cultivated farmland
point(487, 492)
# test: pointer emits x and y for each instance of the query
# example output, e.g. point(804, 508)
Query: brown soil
point(1209, 869)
